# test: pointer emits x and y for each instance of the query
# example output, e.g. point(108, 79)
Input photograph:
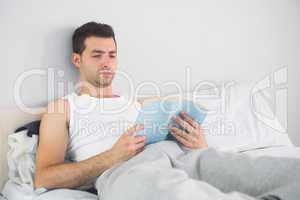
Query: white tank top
point(97, 123)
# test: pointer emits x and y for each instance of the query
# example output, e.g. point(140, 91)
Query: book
point(157, 115)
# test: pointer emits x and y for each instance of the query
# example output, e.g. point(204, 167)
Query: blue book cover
point(157, 115)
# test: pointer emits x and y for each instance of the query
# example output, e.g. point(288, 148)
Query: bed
point(14, 191)
point(260, 141)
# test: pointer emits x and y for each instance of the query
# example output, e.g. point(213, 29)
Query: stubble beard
point(103, 82)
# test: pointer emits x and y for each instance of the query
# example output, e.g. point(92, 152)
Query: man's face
point(98, 62)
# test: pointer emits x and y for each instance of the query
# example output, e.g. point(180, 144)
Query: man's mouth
point(106, 73)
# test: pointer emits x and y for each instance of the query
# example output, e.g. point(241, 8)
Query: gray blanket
point(165, 170)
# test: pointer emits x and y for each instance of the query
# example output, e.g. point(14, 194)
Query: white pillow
point(21, 157)
point(21, 160)
point(241, 127)
point(233, 122)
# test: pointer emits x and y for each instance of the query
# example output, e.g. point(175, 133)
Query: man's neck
point(97, 92)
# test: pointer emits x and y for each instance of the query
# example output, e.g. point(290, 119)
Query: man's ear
point(76, 60)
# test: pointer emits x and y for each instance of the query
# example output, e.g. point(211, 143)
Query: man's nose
point(105, 63)
point(107, 60)
point(105, 67)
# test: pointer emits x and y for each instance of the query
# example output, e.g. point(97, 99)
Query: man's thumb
point(134, 129)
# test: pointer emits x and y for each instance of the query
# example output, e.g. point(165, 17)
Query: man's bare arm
point(72, 175)
point(53, 172)
point(51, 169)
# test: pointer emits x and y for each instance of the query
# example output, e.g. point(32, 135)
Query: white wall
point(219, 40)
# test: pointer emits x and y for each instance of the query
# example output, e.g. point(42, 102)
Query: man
point(95, 57)
point(163, 170)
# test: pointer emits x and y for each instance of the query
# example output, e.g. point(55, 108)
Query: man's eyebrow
point(101, 51)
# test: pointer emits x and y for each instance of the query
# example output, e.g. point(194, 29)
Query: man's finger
point(140, 145)
point(139, 138)
point(190, 120)
point(182, 140)
point(184, 124)
point(177, 131)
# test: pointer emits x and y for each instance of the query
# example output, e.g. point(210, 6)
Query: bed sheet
point(14, 191)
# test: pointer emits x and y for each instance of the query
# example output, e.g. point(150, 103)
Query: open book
point(157, 115)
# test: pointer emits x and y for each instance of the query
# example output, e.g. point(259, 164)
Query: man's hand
point(192, 134)
point(128, 145)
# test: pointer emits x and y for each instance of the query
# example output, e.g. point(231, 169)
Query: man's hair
point(90, 29)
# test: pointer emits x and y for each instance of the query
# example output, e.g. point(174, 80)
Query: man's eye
point(112, 56)
point(96, 56)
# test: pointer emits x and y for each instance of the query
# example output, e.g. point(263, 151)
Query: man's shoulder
point(59, 107)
